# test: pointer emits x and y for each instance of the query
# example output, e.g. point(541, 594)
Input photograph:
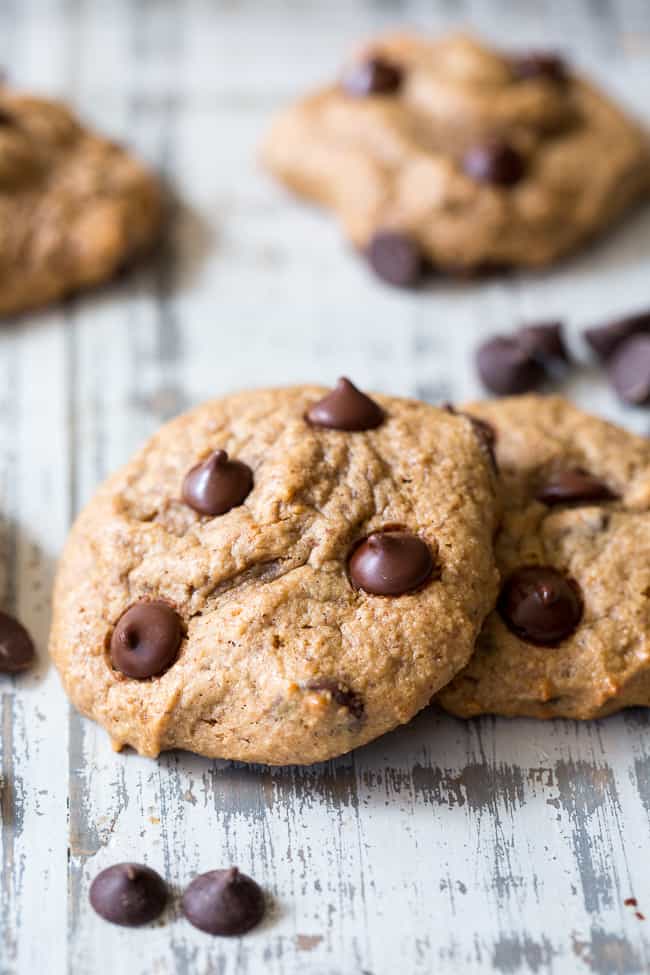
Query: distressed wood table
point(445, 847)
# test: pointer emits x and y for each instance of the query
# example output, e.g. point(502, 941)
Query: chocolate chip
point(540, 605)
point(539, 64)
point(129, 894)
point(345, 408)
point(494, 162)
point(574, 486)
point(390, 563)
point(396, 258)
point(217, 484)
point(146, 639)
point(16, 646)
point(340, 693)
point(223, 902)
point(629, 370)
point(374, 76)
point(605, 339)
point(506, 368)
point(6, 118)
point(543, 341)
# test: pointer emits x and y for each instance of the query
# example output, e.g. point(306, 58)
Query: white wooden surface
point(446, 847)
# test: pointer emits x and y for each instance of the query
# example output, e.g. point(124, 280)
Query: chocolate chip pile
point(528, 358)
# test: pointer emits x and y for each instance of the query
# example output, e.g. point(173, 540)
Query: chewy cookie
point(571, 633)
point(453, 154)
point(74, 207)
point(279, 576)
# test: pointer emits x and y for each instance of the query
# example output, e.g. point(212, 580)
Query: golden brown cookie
point(75, 208)
point(458, 155)
point(278, 576)
point(571, 633)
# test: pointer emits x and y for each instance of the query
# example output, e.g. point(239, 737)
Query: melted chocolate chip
point(540, 64)
point(543, 341)
point(129, 894)
point(374, 76)
point(340, 693)
point(217, 484)
point(390, 563)
point(574, 486)
point(605, 339)
point(540, 605)
point(223, 902)
point(506, 368)
point(16, 646)
point(494, 162)
point(146, 639)
point(629, 370)
point(345, 408)
point(396, 258)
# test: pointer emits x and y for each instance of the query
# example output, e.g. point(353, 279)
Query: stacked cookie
point(283, 575)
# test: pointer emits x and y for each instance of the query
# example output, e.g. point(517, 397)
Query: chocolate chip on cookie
point(629, 370)
point(146, 639)
point(224, 902)
point(540, 605)
point(339, 693)
point(539, 64)
point(373, 76)
point(128, 894)
point(346, 408)
point(16, 646)
point(391, 563)
point(505, 367)
point(605, 339)
point(494, 162)
point(573, 485)
point(217, 484)
point(396, 258)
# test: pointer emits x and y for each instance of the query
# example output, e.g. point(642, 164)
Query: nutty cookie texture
point(570, 636)
point(74, 207)
point(457, 155)
point(344, 585)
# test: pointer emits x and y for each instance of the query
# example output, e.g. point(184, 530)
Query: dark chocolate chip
point(483, 430)
point(345, 408)
point(129, 894)
point(543, 341)
point(540, 64)
point(223, 902)
point(6, 118)
point(574, 485)
point(494, 162)
point(146, 639)
point(217, 484)
point(629, 370)
point(396, 258)
point(540, 605)
point(605, 339)
point(506, 368)
point(374, 76)
point(340, 693)
point(390, 563)
point(16, 646)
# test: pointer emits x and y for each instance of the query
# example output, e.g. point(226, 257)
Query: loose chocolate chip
point(223, 902)
point(629, 370)
point(345, 408)
point(396, 258)
point(340, 693)
point(374, 76)
point(574, 486)
point(146, 639)
point(129, 894)
point(544, 341)
point(605, 339)
point(505, 367)
point(540, 64)
point(390, 563)
point(16, 647)
point(540, 605)
point(217, 484)
point(494, 162)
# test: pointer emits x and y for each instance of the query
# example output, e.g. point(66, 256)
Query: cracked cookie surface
point(576, 495)
point(474, 157)
point(282, 659)
point(75, 207)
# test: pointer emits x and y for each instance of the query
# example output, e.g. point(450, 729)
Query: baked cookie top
point(279, 575)
point(571, 633)
point(460, 155)
point(74, 207)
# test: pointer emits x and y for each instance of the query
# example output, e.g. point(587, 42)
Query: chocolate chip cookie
point(455, 155)
point(570, 636)
point(279, 576)
point(74, 207)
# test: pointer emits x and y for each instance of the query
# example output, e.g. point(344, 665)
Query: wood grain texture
point(446, 847)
